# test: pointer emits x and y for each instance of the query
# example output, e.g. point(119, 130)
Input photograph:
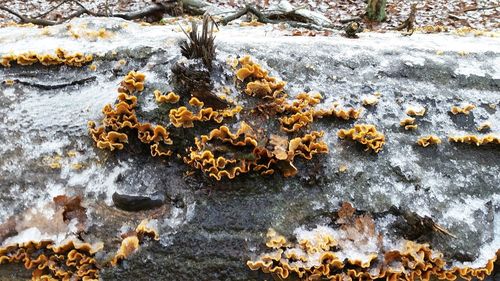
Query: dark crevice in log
point(55, 86)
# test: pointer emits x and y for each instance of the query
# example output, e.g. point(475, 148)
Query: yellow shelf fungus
point(408, 123)
point(110, 135)
point(131, 242)
point(134, 81)
point(477, 140)
point(221, 153)
point(364, 134)
point(72, 260)
point(240, 152)
point(415, 111)
point(370, 100)
point(428, 140)
point(484, 126)
point(260, 84)
point(183, 117)
point(168, 98)
point(299, 112)
point(128, 246)
point(60, 57)
point(466, 109)
point(355, 251)
point(303, 112)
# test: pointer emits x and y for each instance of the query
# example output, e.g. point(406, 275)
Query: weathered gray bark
point(210, 228)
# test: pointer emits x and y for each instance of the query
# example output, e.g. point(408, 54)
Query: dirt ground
point(477, 14)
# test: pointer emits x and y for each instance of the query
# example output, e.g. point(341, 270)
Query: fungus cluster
point(408, 123)
point(477, 140)
point(295, 114)
point(365, 134)
point(218, 160)
point(61, 57)
point(415, 111)
point(168, 98)
point(224, 152)
point(121, 117)
point(132, 240)
point(355, 251)
point(260, 84)
point(466, 109)
point(428, 140)
point(72, 260)
point(183, 117)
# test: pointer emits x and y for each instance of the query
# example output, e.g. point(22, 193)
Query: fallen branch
point(264, 19)
point(149, 11)
point(51, 9)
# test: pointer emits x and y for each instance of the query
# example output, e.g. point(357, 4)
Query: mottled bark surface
point(209, 229)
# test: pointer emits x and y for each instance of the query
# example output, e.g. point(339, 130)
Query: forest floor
point(452, 14)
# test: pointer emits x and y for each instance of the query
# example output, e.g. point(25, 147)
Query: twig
point(455, 17)
point(86, 11)
point(479, 8)
point(24, 19)
point(51, 9)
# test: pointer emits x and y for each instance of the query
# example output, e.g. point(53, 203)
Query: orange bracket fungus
point(61, 57)
point(477, 140)
point(408, 123)
point(484, 126)
point(222, 153)
point(370, 100)
point(298, 112)
point(168, 98)
point(466, 109)
point(355, 250)
point(415, 110)
point(131, 242)
point(71, 260)
point(122, 116)
point(364, 134)
point(183, 117)
point(241, 153)
point(428, 140)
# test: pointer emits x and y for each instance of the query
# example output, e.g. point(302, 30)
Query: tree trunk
point(375, 10)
